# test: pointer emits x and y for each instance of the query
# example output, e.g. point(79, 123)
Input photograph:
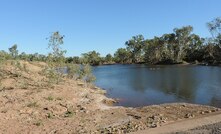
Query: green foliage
point(173, 48)
point(54, 77)
point(153, 50)
point(122, 55)
point(38, 123)
point(109, 58)
point(87, 74)
point(92, 58)
point(83, 72)
point(4, 56)
point(179, 46)
point(50, 98)
point(69, 114)
point(50, 115)
point(74, 71)
point(135, 46)
point(57, 55)
point(215, 29)
point(33, 104)
point(13, 51)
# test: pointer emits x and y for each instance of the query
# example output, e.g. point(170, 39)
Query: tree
point(135, 46)
point(4, 55)
point(122, 55)
point(193, 51)
point(13, 51)
point(92, 58)
point(171, 46)
point(154, 51)
point(55, 43)
point(108, 58)
point(23, 56)
point(215, 29)
point(183, 40)
point(76, 60)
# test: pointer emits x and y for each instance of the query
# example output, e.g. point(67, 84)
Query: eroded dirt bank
point(30, 104)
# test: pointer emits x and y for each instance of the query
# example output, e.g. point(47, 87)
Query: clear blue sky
point(101, 25)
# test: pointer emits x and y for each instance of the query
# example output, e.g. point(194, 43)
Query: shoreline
point(178, 64)
point(29, 105)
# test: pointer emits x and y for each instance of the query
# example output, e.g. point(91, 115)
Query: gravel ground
point(207, 129)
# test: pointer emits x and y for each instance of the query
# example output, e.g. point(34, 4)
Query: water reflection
point(140, 85)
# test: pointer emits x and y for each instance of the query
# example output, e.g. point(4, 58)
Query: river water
point(142, 85)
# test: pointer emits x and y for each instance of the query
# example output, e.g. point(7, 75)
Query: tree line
point(180, 46)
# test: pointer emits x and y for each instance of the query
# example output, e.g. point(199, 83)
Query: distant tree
point(76, 60)
point(193, 51)
point(13, 51)
point(23, 56)
point(69, 60)
point(154, 50)
point(92, 58)
point(135, 46)
point(215, 29)
point(171, 46)
point(109, 58)
point(122, 55)
point(55, 43)
point(183, 41)
point(4, 56)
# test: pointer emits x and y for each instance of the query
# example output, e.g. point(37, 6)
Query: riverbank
point(180, 64)
point(29, 104)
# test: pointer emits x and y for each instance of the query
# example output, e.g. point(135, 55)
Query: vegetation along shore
point(37, 97)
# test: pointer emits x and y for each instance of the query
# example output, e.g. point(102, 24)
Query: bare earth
point(28, 104)
point(208, 124)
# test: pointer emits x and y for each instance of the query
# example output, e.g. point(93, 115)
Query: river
point(142, 85)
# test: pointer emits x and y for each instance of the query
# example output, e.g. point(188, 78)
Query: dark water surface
point(141, 85)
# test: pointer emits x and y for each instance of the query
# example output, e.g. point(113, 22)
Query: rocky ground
point(207, 129)
point(31, 103)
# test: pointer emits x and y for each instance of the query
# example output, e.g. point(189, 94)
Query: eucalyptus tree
point(4, 55)
point(215, 29)
point(92, 58)
point(171, 46)
point(108, 58)
point(183, 41)
point(194, 49)
point(55, 43)
point(24, 56)
point(122, 55)
point(155, 51)
point(135, 46)
point(76, 60)
point(13, 51)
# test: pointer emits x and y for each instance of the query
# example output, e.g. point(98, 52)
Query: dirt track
point(202, 125)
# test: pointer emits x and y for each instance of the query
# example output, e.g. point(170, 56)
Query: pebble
point(189, 115)
point(208, 111)
point(202, 112)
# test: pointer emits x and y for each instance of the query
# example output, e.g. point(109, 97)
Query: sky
point(100, 25)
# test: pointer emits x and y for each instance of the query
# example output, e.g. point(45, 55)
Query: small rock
point(80, 84)
point(202, 112)
point(164, 121)
point(189, 115)
point(184, 105)
point(153, 125)
point(213, 110)
point(208, 111)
